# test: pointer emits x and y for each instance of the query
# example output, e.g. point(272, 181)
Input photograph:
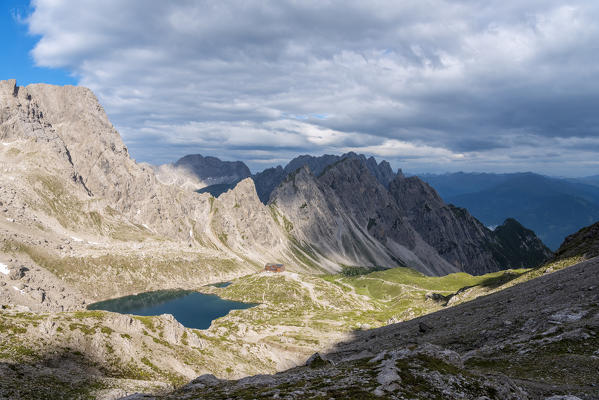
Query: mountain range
point(552, 207)
point(364, 247)
point(391, 222)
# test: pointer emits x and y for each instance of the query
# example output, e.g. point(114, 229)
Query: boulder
point(17, 273)
point(316, 361)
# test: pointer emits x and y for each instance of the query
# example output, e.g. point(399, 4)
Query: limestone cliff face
point(77, 154)
point(269, 179)
point(407, 223)
point(72, 172)
point(375, 211)
point(242, 223)
point(459, 237)
point(74, 125)
point(347, 216)
point(315, 218)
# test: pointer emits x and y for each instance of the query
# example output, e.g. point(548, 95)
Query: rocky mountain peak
point(9, 88)
point(213, 170)
point(268, 179)
point(413, 192)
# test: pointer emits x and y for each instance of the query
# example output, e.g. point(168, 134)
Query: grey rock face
point(347, 216)
point(459, 237)
point(212, 170)
point(453, 232)
point(80, 150)
point(267, 180)
point(347, 210)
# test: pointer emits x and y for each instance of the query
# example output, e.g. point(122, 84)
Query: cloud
point(431, 84)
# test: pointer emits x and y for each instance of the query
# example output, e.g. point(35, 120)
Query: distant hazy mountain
point(552, 207)
point(588, 180)
point(213, 170)
point(208, 174)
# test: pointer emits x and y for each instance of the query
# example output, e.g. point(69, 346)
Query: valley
point(382, 277)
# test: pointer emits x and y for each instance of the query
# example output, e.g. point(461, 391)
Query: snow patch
point(492, 227)
point(76, 239)
point(6, 143)
point(191, 233)
point(146, 226)
point(18, 290)
point(138, 212)
point(4, 269)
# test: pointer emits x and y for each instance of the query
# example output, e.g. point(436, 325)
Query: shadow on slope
point(57, 374)
point(531, 340)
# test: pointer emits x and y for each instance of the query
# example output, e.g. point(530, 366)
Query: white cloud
point(443, 84)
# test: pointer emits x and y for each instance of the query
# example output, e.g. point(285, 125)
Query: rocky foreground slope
point(530, 341)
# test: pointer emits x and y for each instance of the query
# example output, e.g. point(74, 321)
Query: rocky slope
point(583, 244)
point(530, 341)
point(347, 215)
point(459, 237)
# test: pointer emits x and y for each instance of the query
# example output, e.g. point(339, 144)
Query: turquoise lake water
point(192, 309)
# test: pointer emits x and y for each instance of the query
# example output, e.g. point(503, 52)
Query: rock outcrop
point(584, 244)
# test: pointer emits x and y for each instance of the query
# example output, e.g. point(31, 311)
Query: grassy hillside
point(297, 316)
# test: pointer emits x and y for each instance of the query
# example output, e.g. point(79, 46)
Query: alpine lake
point(192, 309)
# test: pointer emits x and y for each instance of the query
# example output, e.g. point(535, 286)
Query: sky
point(429, 85)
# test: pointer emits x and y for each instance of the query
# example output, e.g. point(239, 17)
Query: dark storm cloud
point(444, 84)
